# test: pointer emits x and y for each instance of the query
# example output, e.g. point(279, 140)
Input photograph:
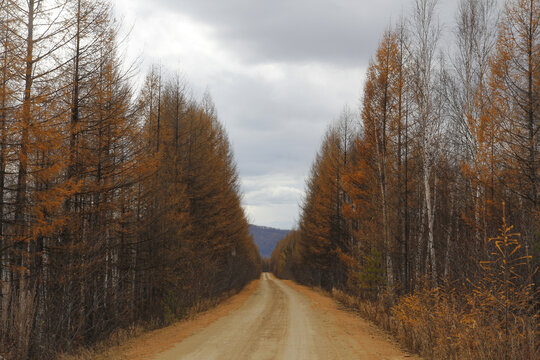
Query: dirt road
point(280, 322)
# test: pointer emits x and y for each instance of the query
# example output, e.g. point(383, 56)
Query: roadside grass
point(443, 324)
point(108, 349)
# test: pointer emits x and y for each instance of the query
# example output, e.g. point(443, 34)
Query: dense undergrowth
point(493, 317)
point(107, 349)
point(408, 200)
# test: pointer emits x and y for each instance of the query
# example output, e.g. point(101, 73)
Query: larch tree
point(382, 118)
point(516, 96)
point(38, 132)
point(515, 92)
point(110, 208)
point(8, 82)
point(326, 242)
point(449, 137)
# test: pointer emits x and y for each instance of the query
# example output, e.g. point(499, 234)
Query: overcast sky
point(279, 71)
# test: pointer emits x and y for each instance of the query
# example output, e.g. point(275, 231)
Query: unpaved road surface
point(282, 320)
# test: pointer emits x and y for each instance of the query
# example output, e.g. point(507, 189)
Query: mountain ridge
point(266, 238)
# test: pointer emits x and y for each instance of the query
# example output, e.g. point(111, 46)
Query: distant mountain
point(266, 238)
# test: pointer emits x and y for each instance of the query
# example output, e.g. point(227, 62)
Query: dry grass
point(377, 312)
point(101, 349)
point(493, 317)
point(107, 349)
point(443, 324)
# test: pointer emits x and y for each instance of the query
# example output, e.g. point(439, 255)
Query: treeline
point(116, 208)
point(409, 203)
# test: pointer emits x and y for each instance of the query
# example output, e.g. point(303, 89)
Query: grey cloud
point(277, 127)
point(275, 189)
point(341, 31)
point(273, 198)
point(279, 72)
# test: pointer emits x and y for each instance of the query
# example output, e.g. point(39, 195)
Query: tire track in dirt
point(281, 320)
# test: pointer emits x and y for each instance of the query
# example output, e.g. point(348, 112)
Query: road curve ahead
point(279, 322)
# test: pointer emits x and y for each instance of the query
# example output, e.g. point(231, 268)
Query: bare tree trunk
point(420, 242)
point(4, 242)
point(25, 295)
point(449, 236)
point(430, 209)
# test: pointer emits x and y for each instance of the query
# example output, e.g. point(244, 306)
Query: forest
point(422, 208)
point(118, 206)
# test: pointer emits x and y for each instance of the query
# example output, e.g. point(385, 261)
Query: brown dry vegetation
point(409, 202)
point(279, 320)
point(117, 208)
point(140, 344)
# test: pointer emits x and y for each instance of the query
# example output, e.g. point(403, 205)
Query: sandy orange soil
point(269, 319)
point(145, 346)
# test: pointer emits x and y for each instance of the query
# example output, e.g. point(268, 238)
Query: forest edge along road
point(270, 319)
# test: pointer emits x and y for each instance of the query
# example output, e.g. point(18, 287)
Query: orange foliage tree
point(447, 136)
point(113, 211)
